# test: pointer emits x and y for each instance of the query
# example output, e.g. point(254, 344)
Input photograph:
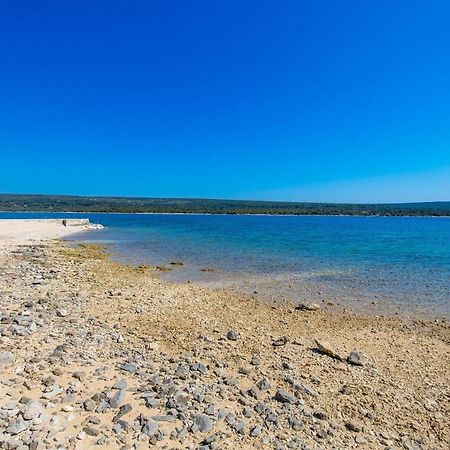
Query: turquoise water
point(395, 262)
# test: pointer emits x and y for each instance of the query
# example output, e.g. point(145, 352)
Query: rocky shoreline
point(98, 354)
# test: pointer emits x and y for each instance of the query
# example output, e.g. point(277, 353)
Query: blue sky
point(288, 100)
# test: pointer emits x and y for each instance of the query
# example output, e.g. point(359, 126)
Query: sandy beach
point(99, 354)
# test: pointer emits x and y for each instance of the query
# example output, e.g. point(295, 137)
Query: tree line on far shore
point(64, 203)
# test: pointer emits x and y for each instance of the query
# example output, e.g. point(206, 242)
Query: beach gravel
point(202, 368)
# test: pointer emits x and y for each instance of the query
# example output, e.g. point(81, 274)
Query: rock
point(327, 349)
point(79, 375)
point(17, 427)
point(321, 415)
point(150, 428)
point(57, 371)
point(90, 431)
point(285, 397)
point(53, 393)
point(89, 405)
point(296, 424)
point(124, 409)
point(203, 423)
point(33, 409)
point(127, 367)
point(352, 425)
point(239, 427)
point(280, 341)
point(164, 418)
point(256, 431)
point(6, 359)
point(357, 358)
point(360, 439)
point(121, 384)
point(307, 389)
point(346, 389)
point(263, 384)
point(232, 335)
point(308, 307)
point(61, 313)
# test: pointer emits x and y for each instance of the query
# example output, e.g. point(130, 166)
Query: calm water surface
point(395, 262)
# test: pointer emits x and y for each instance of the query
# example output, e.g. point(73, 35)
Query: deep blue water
point(395, 260)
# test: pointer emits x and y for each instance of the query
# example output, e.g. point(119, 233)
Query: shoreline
point(194, 366)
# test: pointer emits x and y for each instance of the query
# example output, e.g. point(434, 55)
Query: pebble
point(357, 358)
point(232, 335)
point(6, 359)
point(285, 397)
point(204, 423)
point(327, 349)
point(308, 306)
point(32, 410)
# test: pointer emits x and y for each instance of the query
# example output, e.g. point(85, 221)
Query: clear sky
point(290, 100)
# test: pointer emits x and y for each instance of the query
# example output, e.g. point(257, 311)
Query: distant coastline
point(132, 205)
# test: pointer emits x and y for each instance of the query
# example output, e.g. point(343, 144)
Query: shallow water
point(396, 262)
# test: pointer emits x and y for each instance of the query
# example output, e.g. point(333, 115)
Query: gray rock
point(53, 393)
point(232, 335)
point(285, 397)
point(127, 367)
point(203, 423)
point(256, 431)
point(17, 427)
point(263, 384)
point(357, 358)
point(151, 402)
point(19, 330)
point(296, 424)
point(150, 428)
point(90, 431)
point(32, 410)
point(124, 409)
point(89, 405)
point(164, 418)
point(307, 389)
point(79, 375)
point(239, 427)
point(121, 384)
point(6, 359)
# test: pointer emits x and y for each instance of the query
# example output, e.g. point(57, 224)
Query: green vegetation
point(59, 203)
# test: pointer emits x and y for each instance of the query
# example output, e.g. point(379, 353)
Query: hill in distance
point(66, 203)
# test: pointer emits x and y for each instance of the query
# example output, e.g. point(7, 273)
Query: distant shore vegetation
point(65, 203)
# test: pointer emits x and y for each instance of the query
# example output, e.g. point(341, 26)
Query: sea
point(380, 265)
